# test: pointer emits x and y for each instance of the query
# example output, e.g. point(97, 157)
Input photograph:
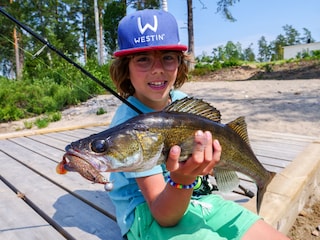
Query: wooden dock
point(36, 201)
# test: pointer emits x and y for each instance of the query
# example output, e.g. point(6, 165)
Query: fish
point(144, 141)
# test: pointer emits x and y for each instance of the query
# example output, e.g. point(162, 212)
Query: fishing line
point(35, 58)
point(41, 39)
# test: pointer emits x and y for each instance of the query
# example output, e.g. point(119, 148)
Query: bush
point(101, 111)
point(55, 117)
point(10, 113)
point(42, 122)
point(45, 89)
point(27, 124)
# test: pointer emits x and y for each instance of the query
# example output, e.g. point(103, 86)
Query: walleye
point(144, 141)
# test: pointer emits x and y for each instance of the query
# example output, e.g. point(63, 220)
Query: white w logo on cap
point(152, 28)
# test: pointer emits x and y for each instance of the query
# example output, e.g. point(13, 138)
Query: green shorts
point(210, 217)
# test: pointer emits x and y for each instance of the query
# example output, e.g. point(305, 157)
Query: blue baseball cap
point(148, 30)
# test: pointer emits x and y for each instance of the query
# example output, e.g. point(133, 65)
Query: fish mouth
point(68, 158)
point(74, 155)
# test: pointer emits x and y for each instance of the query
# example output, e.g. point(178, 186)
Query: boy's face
point(153, 74)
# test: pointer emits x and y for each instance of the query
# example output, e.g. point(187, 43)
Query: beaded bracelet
point(181, 186)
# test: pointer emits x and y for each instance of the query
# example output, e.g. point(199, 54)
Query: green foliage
point(42, 122)
point(204, 67)
point(28, 124)
point(45, 120)
point(55, 117)
point(268, 67)
point(144, 4)
point(101, 111)
point(316, 54)
point(113, 14)
point(49, 90)
point(8, 113)
point(312, 55)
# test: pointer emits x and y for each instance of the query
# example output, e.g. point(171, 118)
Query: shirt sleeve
point(155, 170)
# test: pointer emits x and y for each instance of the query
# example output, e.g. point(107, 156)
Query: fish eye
point(99, 146)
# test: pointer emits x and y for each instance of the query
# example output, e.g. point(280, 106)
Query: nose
point(157, 64)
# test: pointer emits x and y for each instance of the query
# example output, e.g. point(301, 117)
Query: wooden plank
point(63, 136)
point(278, 147)
point(80, 133)
point(19, 221)
point(290, 190)
point(42, 152)
point(55, 143)
point(40, 148)
point(276, 164)
point(261, 134)
point(79, 219)
point(71, 181)
point(99, 128)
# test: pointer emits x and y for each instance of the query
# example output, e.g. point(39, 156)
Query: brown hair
point(119, 72)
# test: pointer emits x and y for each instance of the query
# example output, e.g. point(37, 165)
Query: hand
point(206, 153)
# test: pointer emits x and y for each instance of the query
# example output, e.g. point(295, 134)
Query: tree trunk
point(191, 63)
point(164, 5)
point(98, 33)
point(102, 61)
point(84, 38)
point(17, 54)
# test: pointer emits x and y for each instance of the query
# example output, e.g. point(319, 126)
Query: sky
point(254, 19)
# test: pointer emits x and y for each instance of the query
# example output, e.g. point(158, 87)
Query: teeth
point(157, 83)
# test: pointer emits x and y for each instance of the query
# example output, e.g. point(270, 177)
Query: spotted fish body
point(144, 141)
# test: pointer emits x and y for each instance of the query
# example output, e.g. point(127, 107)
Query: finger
point(208, 151)
point(217, 149)
point(200, 143)
point(172, 163)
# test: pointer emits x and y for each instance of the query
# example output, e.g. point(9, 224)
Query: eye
point(99, 146)
point(143, 59)
point(170, 57)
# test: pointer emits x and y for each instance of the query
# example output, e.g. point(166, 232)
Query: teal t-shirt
point(126, 195)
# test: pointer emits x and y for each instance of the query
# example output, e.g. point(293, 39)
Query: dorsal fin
point(239, 126)
point(195, 106)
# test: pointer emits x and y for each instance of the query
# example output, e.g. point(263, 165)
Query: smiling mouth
point(158, 84)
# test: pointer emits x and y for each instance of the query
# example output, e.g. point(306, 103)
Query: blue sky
point(255, 18)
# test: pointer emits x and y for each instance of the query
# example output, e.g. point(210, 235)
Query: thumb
point(173, 158)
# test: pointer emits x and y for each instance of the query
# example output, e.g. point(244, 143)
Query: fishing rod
point(88, 74)
point(106, 87)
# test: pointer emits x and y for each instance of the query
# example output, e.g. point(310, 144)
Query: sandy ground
point(290, 106)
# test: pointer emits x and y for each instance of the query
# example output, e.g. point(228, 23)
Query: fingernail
point(199, 133)
point(174, 150)
point(208, 134)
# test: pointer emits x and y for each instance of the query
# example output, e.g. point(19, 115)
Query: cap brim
point(150, 48)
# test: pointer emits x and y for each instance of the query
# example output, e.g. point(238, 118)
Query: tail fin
point(262, 190)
